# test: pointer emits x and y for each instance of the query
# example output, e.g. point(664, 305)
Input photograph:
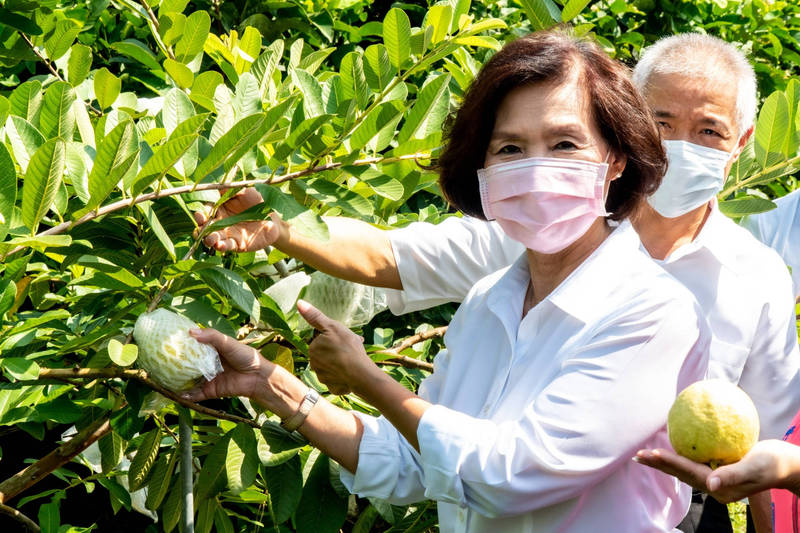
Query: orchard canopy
point(119, 118)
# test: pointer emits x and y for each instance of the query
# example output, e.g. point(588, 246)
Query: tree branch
point(29, 524)
point(410, 362)
point(142, 377)
point(55, 459)
point(184, 189)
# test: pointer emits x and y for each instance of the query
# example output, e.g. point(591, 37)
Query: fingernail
point(194, 332)
point(302, 305)
point(636, 459)
point(714, 483)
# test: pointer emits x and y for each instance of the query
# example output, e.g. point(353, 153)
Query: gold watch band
point(296, 420)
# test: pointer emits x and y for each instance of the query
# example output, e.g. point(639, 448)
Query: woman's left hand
point(337, 355)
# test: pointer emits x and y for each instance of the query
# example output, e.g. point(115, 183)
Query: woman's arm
point(356, 251)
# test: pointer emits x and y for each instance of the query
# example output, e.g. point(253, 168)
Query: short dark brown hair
point(621, 113)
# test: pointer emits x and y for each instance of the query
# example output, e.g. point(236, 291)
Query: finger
point(212, 239)
point(675, 465)
point(225, 346)
point(200, 217)
point(314, 316)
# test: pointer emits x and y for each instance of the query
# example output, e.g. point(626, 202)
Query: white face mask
point(694, 176)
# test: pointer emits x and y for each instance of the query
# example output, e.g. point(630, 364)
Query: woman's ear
point(616, 165)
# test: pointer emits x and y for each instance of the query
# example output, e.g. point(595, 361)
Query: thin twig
point(410, 362)
point(142, 377)
point(52, 69)
point(29, 524)
point(184, 189)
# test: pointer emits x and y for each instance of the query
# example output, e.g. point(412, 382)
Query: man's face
point(697, 110)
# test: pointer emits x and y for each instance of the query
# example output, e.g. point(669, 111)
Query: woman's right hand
point(245, 369)
point(244, 236)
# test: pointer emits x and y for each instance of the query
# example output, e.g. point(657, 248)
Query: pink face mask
point(544, 203)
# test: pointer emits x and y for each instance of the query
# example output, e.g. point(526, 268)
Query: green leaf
point(247, 50)
point(8, 184)
point(232, 146)
point(152, 220)
point(127, 422)
point(384, 185)
point(19, 368)
point(335, 195)
point(122, 354)
point(311, 90)
point(377, 67)
point(57, 118)
point(572, 9)
point(203, 88)
point(542, 14)
point(164, 158)
point(303, 220)
point(264, 67)
point(160, 479)
point(247, 98)
point(8, 292)
point(299, 135)
point(49, 517)
point(41, 242)
point(18, 22)
point(480, 41)
point(79, 64)
point(231, 284)
point(112, 161)
point(429, 110)
point(222, 522)
point(138, 51)
point(285, 486)
point(176, 110)
point(194, 36)
point(61, 39)
point(241, 463)
point(25, 140)
point(397, 36)
point(211, 479)
point(144, 459)
point(384, 117)
point(793, 101)
point(26, 101)
point(321, 509)
point(439, 17)
point(179, 72)
point(771, 130)
point(354, 81)
point(745, 205)
point(171, 511)
point(42, 180)
point(112, 448)
point(106, 87)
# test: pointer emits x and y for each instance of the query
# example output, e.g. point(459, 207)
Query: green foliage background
point(118, 118)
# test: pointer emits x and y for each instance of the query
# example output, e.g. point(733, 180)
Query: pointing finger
point(313, 316)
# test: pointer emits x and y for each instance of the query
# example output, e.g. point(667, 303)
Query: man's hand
point(769, 464)
point(337, 355)
point(245, 370)
point(245, 236)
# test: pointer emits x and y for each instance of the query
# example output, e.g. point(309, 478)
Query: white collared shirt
point(780, 230)
point(536, 420)
point(742, 286)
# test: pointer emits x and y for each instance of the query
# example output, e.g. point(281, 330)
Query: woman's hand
point(337, 355)
point(769, 464)
point(245, 370)
point(244, 236)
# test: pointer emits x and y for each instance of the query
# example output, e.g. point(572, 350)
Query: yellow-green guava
point(713, 422)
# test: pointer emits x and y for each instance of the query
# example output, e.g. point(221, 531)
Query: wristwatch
point(296, 420)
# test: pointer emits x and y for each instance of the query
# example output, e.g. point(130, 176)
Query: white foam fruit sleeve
point(172, 357)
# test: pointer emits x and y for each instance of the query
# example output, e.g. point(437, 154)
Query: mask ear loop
point(605, 192)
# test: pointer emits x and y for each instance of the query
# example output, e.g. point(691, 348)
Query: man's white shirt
point(780, 230)
point(742, 286)
point(536, 419)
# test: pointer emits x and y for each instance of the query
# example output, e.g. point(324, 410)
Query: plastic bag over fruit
point(172, 357)
point(350, 303)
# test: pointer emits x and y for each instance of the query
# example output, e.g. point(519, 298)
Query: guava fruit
point(713, 422)
point(173, 358)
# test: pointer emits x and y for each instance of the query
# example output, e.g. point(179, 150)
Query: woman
point(558, 368)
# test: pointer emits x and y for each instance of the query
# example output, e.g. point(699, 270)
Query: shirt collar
point(715, 236)
point(581, 294)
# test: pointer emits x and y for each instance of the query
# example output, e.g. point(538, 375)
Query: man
point(780, 229)
point(703, 94)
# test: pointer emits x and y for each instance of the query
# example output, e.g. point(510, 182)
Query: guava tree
point(119, 118)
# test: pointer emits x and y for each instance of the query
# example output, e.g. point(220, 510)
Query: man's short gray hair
point(697, 54)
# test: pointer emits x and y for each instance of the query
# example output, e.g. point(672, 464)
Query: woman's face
point(549, 120)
